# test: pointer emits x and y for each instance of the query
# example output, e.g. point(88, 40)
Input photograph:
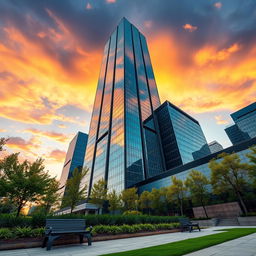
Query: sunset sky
point(203, 53)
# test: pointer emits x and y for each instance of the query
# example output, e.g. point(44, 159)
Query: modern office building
point(121, 148)
point(215, 146)
point(74, 158)
point(182, 138)
point(245, 124)
point(181, 172)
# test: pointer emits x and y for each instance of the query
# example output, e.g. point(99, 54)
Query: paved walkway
point(247, 246)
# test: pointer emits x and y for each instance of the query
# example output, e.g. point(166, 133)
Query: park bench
point(186, 224)
point(56, 228)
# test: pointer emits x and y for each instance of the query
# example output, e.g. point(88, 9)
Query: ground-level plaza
point(244, 246)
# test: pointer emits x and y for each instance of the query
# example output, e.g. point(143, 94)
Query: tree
point(99, 193)
point(51, 197)
point(156, 200)
point(229, 174)
point(114, 201)
point(176, 192)
point(197, 184)
point(252, 166)
point(130, 198)
point(73, 193)
point(145, 201)
point(2, 143)
point(22, 182)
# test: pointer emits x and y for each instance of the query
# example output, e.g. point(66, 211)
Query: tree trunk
point(181, 208)
point(19, 209)
point(205, 212)
point(244, 209)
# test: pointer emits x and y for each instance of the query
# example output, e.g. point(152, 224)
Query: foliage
point(73, 193)
point(7, 220)
point(22, 182)
point(176, 192)
point(145, 201)
point(2, 143)
point(132, 213)
point(6, 206)
point(156, 200)
point(252, 158)
point(130, 199)
point(188, 245)
point(113, 230)
point(229, 174)
point(197, 184)
point(20, 232)
point(99, 193)
point(114, 201)
point(51, 197)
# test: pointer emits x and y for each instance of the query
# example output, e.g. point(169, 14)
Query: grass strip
point(189, 245)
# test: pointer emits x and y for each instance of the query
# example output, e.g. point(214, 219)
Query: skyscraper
point(245, 124)
point(74, 158)
point(118, 147)
point(182, 138)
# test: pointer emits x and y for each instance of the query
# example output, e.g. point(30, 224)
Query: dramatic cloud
point(189, 27)
point(50, 134)
point(203, 54)
point(57, 155)
point(220, 120)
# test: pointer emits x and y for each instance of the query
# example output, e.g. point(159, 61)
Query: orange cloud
point(62, 126)
point(110, 1)
point(50, 135)
point(22, 144)
point(218, 80)
point(189, 27)
point(42, 74)
point(210, 54)
point(220, 120)
point(218, 5)
point(3, 130)
point(57, 155)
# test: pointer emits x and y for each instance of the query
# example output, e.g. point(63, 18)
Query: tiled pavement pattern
point(245, 246)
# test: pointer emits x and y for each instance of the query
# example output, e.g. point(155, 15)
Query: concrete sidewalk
point(119, 245)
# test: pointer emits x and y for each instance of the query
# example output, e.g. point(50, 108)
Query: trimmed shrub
point(38, 220)
point(132, 213)
point(5, 233)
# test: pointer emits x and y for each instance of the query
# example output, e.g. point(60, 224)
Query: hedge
point(19, 232)
point(11, 221)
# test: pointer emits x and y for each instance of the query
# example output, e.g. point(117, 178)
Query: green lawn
point(188, 245)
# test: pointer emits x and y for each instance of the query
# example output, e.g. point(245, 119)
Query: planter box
point(23, 243)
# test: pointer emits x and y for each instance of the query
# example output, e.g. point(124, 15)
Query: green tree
point(252, 166)
point(156, 205)
point(197, 184)
point(51, 197)
point(99, 193)
point(73, 193)
point(130, 198)
point(176, 192)
point(145, 201)
point(22, 182)
point(229, 174)
point(114, 201)
point(2, 143)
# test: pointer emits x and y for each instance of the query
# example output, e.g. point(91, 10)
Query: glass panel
point(135, 168)
point(116, 156)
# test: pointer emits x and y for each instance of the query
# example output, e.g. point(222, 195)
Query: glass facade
point(245, 124)
point(119, 148)
point(74, 158)
point(182, 138)
point(182, 173)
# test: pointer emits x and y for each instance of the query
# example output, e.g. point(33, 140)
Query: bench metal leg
point(50, 240)
point(45, 241)
point(89, 239)
point(81, 237)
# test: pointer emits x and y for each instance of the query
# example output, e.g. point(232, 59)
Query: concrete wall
point(226, 210)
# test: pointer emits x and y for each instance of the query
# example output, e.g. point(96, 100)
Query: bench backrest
point(184, 221)
point(65, 224)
